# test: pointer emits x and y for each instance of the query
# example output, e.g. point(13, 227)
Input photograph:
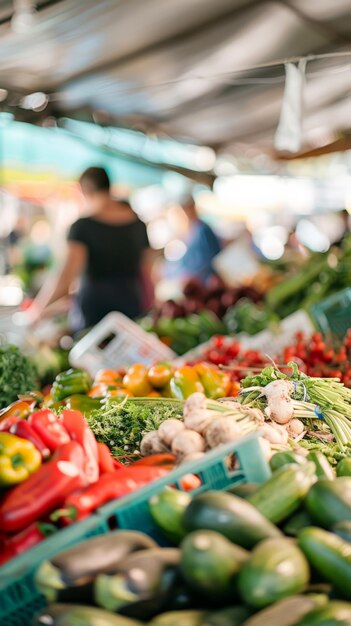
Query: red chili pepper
point(108, 487)
point(6, 423)
point(25, 430)
point(26, 539)
point(46, 424)
point(165, 460)
point(78, 429)
point(106, 461)
point(45, 490)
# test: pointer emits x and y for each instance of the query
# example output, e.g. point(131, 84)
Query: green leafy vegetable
point(17, 374)
point(122, 425)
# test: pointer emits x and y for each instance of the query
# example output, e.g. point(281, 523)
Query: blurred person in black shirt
point(107, 251)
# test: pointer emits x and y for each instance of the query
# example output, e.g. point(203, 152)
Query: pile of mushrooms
point(204, 428)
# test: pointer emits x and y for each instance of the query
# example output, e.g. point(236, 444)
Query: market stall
point(191, 465)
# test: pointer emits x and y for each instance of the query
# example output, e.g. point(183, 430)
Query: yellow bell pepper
point(18, 459)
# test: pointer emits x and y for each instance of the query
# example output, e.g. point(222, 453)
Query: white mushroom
point(280, 405)
point(152, 444)
point(295, 427)
point(187, 442)
point(169, 429)
point(222, 430)
point(199, 420)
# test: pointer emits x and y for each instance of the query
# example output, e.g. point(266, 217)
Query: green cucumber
point(283, 493)
point(323, 467)
point(231, 616)
point(330, 556)
point(277, 569)
point(334, 613)
point(299, 520)
point(329, 501)
point(167, 510)
point(229, 515)
point(279, 459)
point(343, 530)
point(210, 563)
point(343, 468)
point(283, 613)
point(244, 490)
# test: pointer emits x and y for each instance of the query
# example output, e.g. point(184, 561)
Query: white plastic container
point(117, 342)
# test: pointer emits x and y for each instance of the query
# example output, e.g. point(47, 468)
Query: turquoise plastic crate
point(333, 315)
point(19, 599)
point(132, 512)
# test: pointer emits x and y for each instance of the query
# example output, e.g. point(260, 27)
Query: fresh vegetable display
point(17, 375)
point(227, 562)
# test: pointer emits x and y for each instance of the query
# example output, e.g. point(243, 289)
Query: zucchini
point(167, 510)
point(277, 569)
point(230, 516)
point(283, 613)
point(243, 490)
point(299, 520)
point(330, 556)
point(210, 563)
point(76, 615)
point(66, 576)
point(279, 459)
point(343, 468)
point(174, 618)
point(329, 501)
point(335, 613)
point(343, 530)
point(283, 493)
point(323, 467)
point(142, 584)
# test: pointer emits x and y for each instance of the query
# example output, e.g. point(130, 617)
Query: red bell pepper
point(106, 461)
point(45, 490)
point(26, 539)
point(78, 429)
point(109, 486)
point(52, 432)
point(25, 431)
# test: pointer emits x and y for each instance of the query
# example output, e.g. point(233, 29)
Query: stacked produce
point(276, 553)
point(315, 356)
point(197, 316)
point(50, 462)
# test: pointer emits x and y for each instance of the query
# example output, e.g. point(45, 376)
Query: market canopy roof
point(196, 69)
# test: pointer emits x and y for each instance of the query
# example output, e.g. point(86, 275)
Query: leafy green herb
point(17, 375)
point(122, 425)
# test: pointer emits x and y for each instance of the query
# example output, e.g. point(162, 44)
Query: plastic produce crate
point(116, 342)
point(19, 599)
point(132, 512)
point(334, 313)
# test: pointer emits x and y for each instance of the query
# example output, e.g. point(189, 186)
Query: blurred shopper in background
point(108, 252)
point(202, 246)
